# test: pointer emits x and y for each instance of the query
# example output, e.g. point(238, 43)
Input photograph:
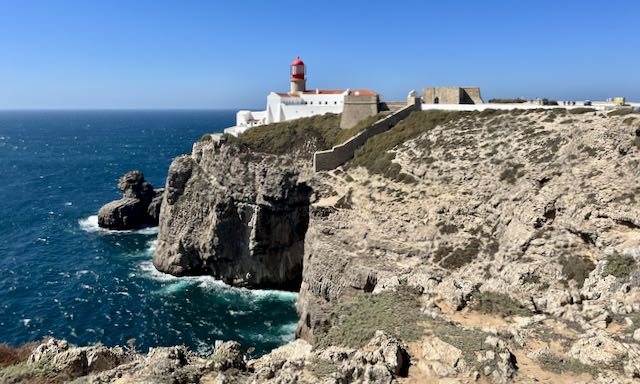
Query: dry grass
point(10, 355)
point(494, 303)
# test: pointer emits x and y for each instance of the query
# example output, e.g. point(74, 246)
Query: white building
point(299, 102)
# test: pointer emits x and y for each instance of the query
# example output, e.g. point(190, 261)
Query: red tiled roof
point(361, 92)
point(324, 92)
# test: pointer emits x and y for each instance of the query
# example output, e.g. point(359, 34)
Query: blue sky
point(230, 54)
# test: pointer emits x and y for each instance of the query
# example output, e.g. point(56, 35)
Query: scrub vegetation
point(353, 324)
point(576, 268)
point(494, 303)
point(375, 154)
point(619, 266)
point(303, 136)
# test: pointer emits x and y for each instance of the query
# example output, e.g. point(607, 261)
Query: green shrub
point(494, 303)
point(322, 368)
point(470, 342)
point(557, 364)
point(447, 229)
point(580, 111)
point(508, 101)
point(619, 266)
point(40, 373)
point(511, 173)
point(622, 112)
point(576, 268)
point(462, 256)
point(354, 323)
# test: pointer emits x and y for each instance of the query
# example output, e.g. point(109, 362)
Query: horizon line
point(97, 109)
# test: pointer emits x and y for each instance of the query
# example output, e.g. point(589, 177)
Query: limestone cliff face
point(537, 211)
point(234, 215)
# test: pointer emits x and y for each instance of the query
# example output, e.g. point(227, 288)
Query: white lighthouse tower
point(298, 80)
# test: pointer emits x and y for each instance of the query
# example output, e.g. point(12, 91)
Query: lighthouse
point(299, 102)
point(298, 80)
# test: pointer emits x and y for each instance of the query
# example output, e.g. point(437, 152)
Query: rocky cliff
point(234, 214)
point(491, 246)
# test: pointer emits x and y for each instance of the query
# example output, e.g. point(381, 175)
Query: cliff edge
point(233, 214)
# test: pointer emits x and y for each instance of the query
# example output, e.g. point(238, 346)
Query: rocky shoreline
point(490, 246)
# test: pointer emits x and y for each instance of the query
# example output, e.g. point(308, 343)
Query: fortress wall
point(340, 154)
point(482, 107)
point(445, 95)
point(452, 95)
point(471, 96)
point(357, 108)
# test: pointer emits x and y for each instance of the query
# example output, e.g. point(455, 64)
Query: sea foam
point(211, 285)
point(90, 224)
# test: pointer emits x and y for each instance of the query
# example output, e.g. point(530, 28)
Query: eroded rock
point(234, 215)
point(138, 207)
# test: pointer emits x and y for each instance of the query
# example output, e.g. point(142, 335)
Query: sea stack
point(139, 206)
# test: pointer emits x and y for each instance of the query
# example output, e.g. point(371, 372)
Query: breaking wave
point(90, 224)
point(211, 286)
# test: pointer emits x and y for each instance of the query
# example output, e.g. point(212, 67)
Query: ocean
point(62, 276)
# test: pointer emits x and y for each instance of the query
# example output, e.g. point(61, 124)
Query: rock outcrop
point(383, 360)
point(236, 215)
point(138, 207)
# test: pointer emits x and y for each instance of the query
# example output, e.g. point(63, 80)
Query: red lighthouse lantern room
point(298, 81)
point(297, 69)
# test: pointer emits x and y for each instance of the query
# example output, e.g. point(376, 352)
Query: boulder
point(228, 355)
point(440, 357)
point(138, 207)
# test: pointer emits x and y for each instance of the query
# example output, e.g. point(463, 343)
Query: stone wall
point(357, 108)
point(442, 95)
point(471, 95)
point(340, 154)
point(452, 95)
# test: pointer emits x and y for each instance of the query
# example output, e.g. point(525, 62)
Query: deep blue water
point(62, 276)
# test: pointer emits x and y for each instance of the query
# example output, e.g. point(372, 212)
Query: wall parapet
point(333, 158)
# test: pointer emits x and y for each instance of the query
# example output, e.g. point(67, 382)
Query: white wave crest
point(287, 332)
point(149, 271)
point(90, 224)
point(211, 285)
